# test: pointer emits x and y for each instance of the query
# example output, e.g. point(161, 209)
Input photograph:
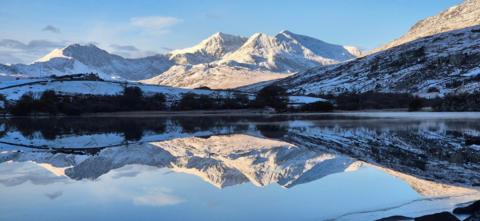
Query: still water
point(361, 166)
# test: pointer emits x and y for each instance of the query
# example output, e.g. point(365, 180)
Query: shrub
point(236, 101)
point(187, 102)
point(272, 96)
point(416, 104)
point(372, 100)
point(459, 102)
point(155, 102)
point(190, 101)
point(132, 98)
point(319, 106)
point(48, 102)
point(24, 106)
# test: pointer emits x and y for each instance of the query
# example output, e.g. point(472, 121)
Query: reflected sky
point(156, 193)
point(242, 169)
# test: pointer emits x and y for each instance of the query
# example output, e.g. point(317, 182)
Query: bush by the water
point(460, 102)
point(191, 101)
point(374, 100)
point(132, 99)
point(319, 106)
point(272, 96)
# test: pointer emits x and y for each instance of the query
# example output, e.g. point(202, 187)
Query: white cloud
point(129, 51)
point(13, 51)
point(117, 37)
point(158, 197)
point(154, 22)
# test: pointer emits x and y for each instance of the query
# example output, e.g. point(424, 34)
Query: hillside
point(431, 66)
point(457, 17)
point(77, 58)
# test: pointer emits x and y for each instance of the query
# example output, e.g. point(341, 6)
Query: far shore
point(259, 112)
point(235, 112)
point(400, 112)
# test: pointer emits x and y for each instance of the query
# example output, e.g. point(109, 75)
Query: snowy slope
point(448, 62)
point(88, 87)
point(235, 61)
point(457, 17)
point(285, 52)
point(212, 76)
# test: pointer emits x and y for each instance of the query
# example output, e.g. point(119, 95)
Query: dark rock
point(468, 209)
point(395, 218)
point(443, 216)
point(474, 217)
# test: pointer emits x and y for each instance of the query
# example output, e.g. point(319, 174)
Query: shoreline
point(372, 113)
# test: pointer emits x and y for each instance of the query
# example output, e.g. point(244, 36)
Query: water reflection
point(434, 157)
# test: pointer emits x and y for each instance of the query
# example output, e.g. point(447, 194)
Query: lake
point(345, 166)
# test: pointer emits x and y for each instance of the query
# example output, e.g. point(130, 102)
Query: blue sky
point(157, 26)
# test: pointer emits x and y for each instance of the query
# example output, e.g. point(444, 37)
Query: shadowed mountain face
point(228, 151)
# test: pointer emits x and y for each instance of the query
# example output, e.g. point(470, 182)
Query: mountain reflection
point(433, 156)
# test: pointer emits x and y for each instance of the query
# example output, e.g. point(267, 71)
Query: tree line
point(133, 99)
point(274, 97)
point(50, 102)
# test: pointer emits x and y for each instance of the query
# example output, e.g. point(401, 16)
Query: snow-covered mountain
point(439, 55)
point(234, 61)
point(431, 66)
point(286, 52)
point(457, 17)
point(78, 58)
point(220, 61)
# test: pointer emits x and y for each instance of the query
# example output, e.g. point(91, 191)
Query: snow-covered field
point(13, 90)
point(88, 87)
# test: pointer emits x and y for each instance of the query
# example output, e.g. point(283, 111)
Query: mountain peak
point(259, 40)
point(78, 45)
point(208, 50)
point(220, 35)
point(258, 35)
point(286, 32)
point(72, 51)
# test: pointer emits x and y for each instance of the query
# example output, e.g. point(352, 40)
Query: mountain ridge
point(274, 58)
